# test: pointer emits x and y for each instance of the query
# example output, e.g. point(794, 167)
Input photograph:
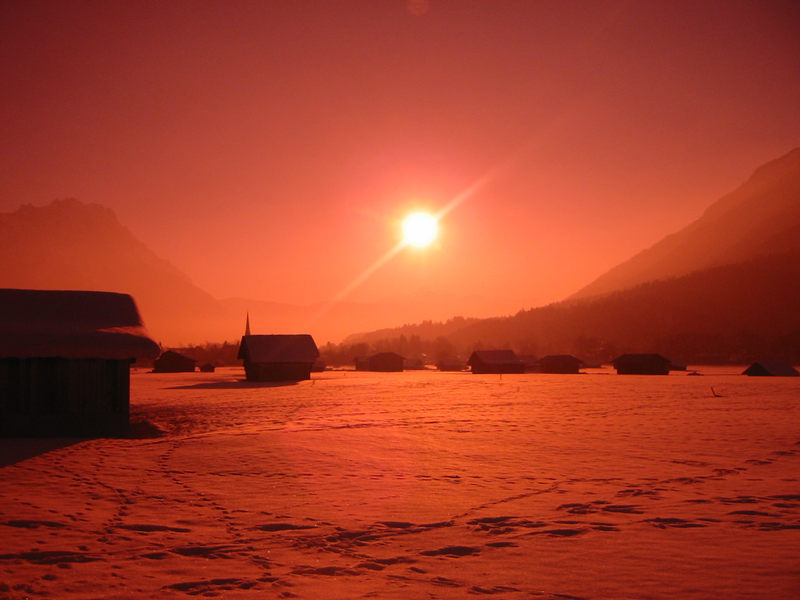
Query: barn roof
point(281, 348)
point(777, 368)
point(494, 357)
point(71, 324)
point(640, 359)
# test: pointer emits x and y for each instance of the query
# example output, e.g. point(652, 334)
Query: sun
point(420, 229)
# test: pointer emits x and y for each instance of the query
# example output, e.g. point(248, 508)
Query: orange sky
point(269, 149)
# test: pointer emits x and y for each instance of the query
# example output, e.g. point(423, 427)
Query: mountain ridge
point(730, 230)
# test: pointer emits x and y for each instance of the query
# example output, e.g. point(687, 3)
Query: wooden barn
point(642, 364)
point(559, 363)
point(65, 361)
point(174, 362)
point(771, 368)
point(451, 364)
point(386, 362)
point(278, 357)
point(495, 361)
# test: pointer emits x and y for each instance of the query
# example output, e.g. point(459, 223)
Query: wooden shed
point(451, 364)
point(278, 357)
point(559, 363)
point(495, 361)
point(174, 362)
point(642, 364)
point(65, 361)
point(771, 368)
point(386, 362)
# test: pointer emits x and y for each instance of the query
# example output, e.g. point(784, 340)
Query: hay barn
point(642, 364)
point(65, 361)
point(278, 357)
point(385, 362)
point(559, 363)
point(495, 361)
point(174, 362)
point(451, 364)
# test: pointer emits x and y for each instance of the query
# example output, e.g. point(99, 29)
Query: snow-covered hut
point(774, 368)
point(495, 361)
point(65, 361)
point(387, 362)
point(174, 362)
point(278, 357)
point(642, 364)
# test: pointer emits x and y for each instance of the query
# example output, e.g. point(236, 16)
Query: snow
point(416, 485)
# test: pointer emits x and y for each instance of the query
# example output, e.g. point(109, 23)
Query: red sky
point(269, 149)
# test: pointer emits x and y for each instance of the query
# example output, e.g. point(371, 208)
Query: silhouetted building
point(559, 363)
point(774, 368)
point(414, 364)
point(495, 361)
point(382, 361)
point(530, 362)
point(451, 364)
point(207, 368)
point(65, 361)
point(642, 364)
point(278, 357)
point(174, 362)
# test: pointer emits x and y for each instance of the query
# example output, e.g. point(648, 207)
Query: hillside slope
point(759, 218)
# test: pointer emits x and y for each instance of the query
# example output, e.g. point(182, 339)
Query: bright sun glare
point(420, 229)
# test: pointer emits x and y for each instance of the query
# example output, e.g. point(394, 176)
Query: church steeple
point(247, 325)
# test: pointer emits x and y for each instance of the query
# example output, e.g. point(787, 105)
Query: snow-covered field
point(417, 485)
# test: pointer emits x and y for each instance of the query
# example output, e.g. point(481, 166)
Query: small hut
point(642, 364)
point(414, 364)
point(495, 361)
point(530, 361)
point(559, 363)
point(451, 364)
point(174, 362)
point(65, 361)
point(386, 362)
point(771, 368)
point(207, 367)
point(278, 357)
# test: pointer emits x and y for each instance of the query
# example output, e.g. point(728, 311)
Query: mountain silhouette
point(724, 289)
point(69, 244)
point(760, 218)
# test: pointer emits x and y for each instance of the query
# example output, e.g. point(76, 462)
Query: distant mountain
point(725, 288)
point(760, 218)
point(727, 314)
point(69, 244)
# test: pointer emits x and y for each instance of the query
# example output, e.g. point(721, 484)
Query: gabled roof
point(71, 324)
point(172, 355)
point(494, 357)
point(278, 348)
point(560, 358)
point(776, 368)
point(638, 359)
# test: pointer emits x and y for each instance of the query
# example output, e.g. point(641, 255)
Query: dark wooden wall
point(59, 396)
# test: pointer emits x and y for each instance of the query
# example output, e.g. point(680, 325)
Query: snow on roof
point(771, 367)
point(71, 324)
point(278, 348)
point(494, 357)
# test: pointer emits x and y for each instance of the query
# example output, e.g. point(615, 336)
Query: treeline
point(729, 314)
